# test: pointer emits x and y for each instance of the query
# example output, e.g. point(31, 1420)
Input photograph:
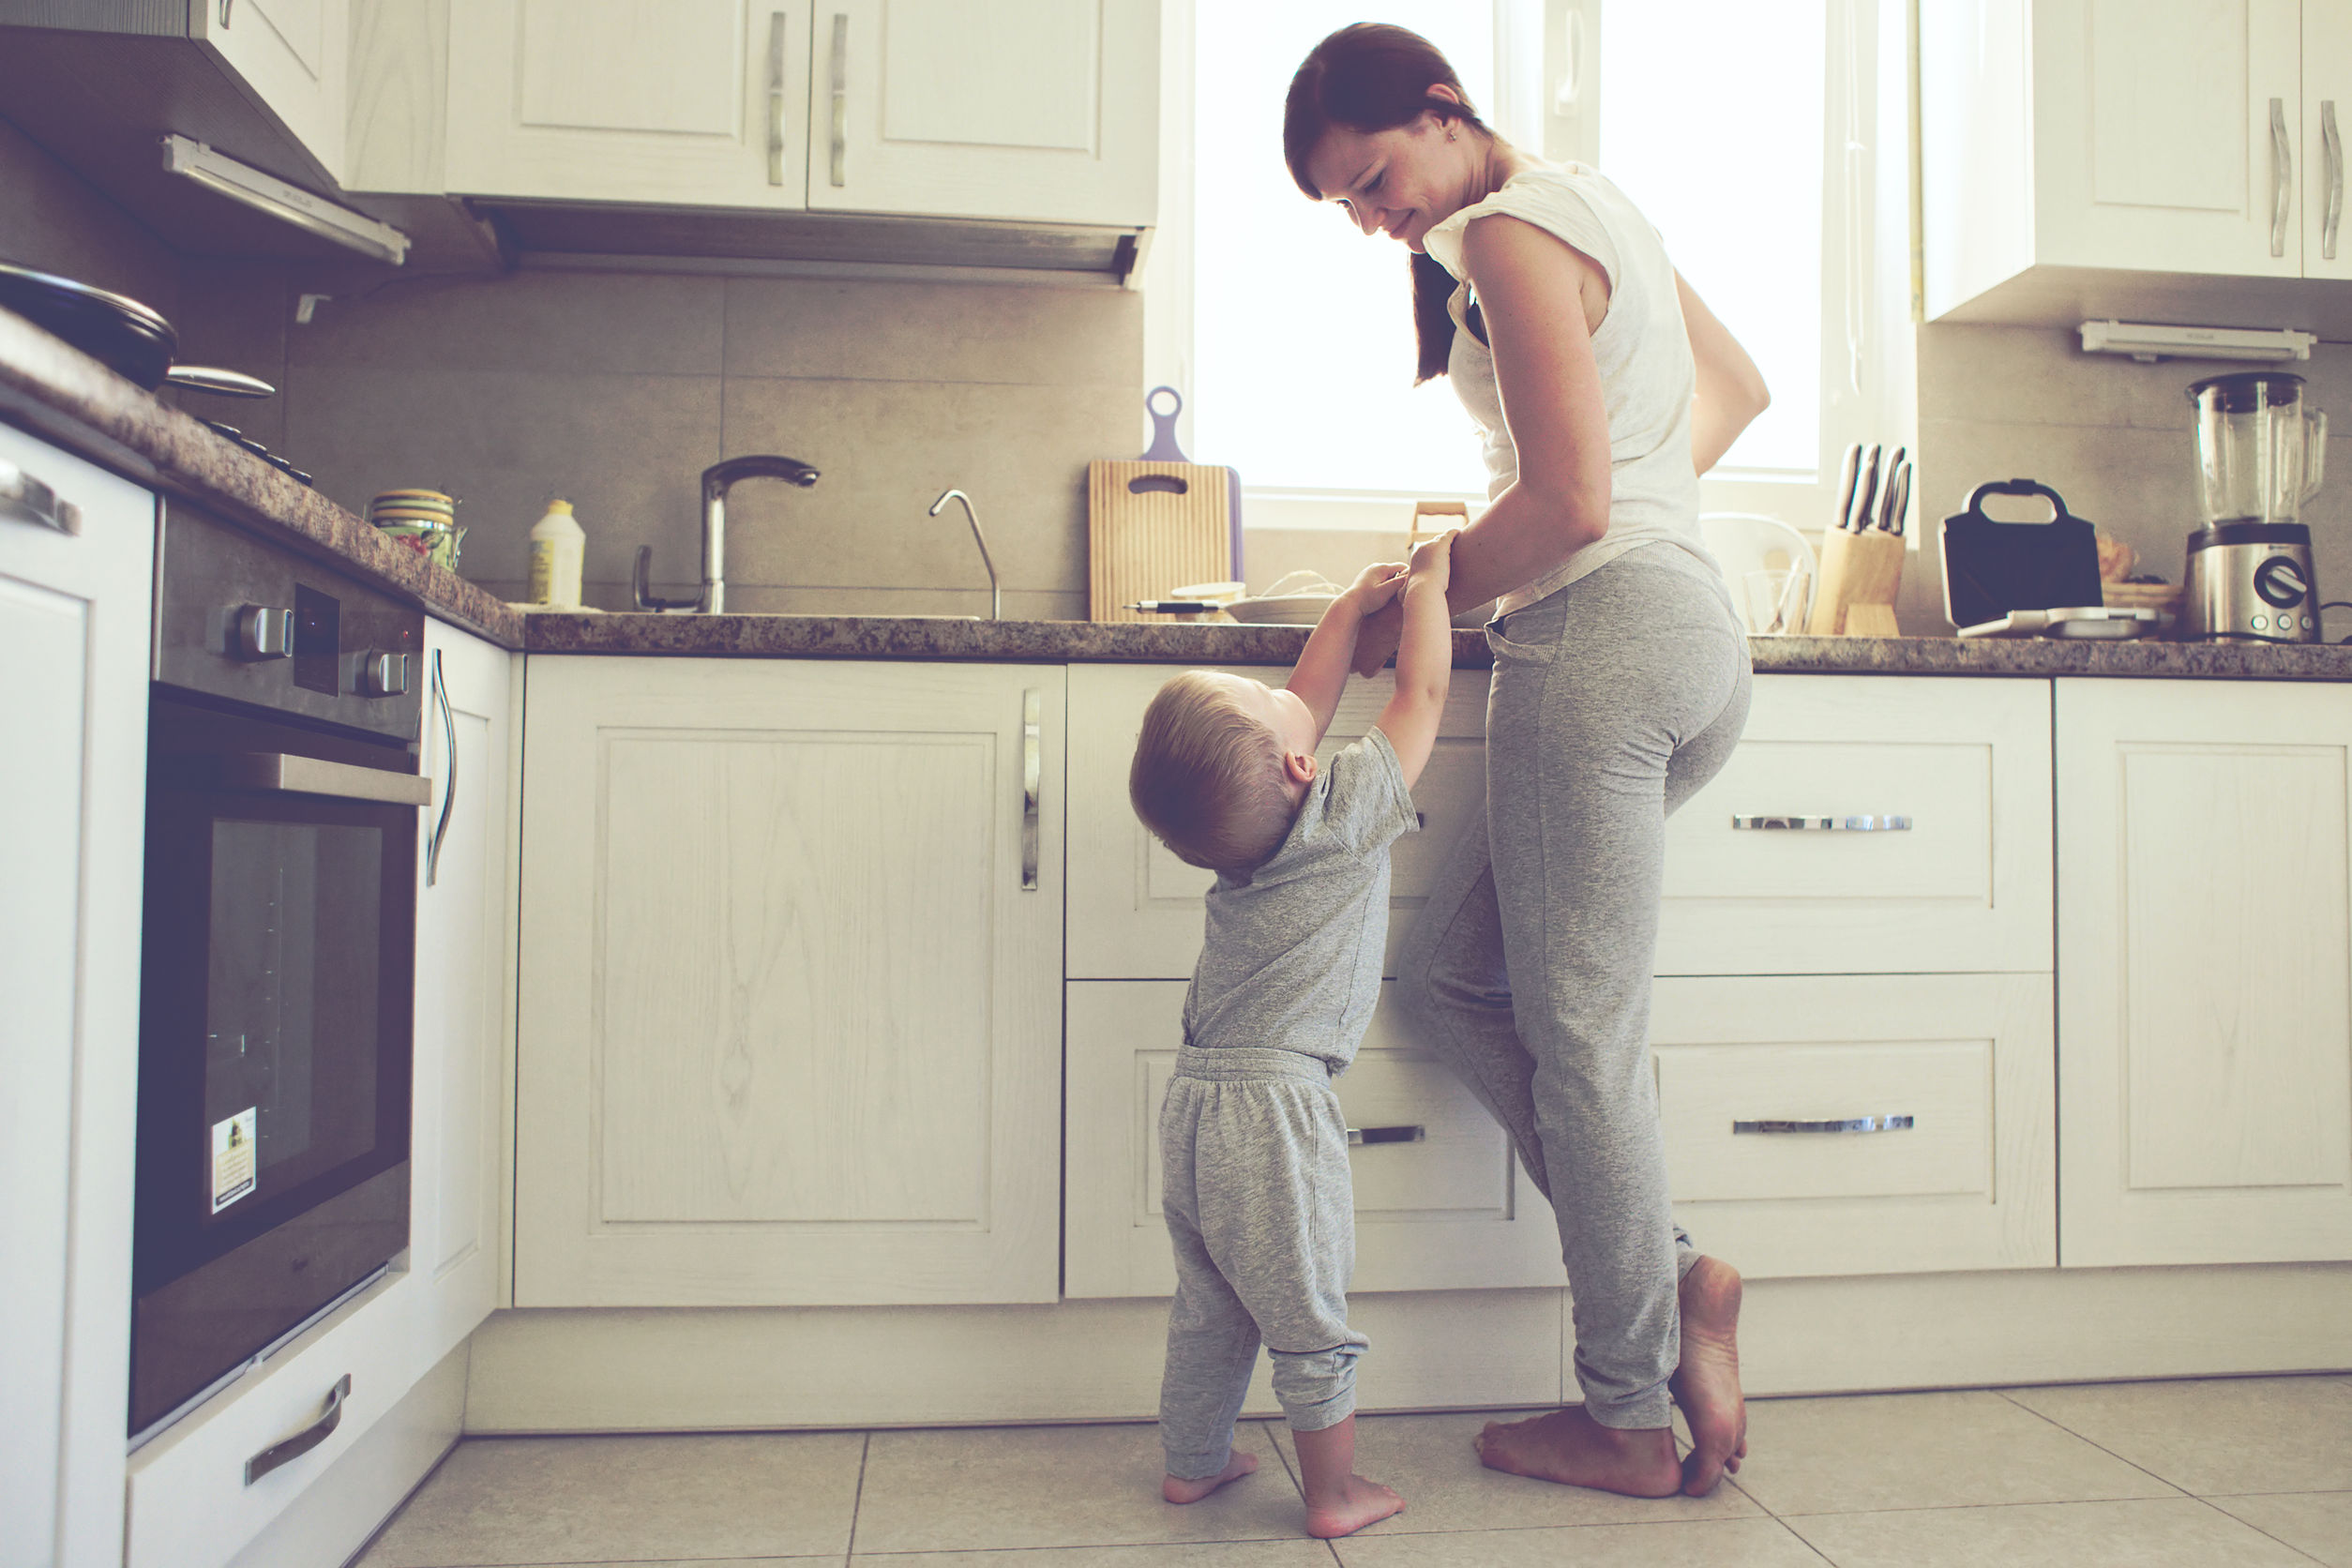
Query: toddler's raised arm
point(1425, 659)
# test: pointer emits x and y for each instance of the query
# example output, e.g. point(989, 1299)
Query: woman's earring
point(1449, 133)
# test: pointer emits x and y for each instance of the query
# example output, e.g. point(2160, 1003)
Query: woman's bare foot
point(1570, 1447)
point(1356, 1503)
point(1707, 1383)
point(1175, 1489)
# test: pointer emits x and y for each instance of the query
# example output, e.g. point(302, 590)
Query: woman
point(1621, 685)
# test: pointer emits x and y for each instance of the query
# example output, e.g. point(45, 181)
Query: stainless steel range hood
point(562, 233)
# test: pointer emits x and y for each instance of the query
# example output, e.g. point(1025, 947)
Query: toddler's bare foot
point(1355, 1503)
point(1175, 1489)
point(1707, 1383)
point(1570, 1447)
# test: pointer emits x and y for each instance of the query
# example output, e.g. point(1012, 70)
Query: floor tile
point(2317, 1523)
point(1715, 1543)
point(1301, 1553)
point(2159, 1533)
point(1428, 1460)
point(1852, 1454)
point(2216, 1434)
point(523, 1500)
point(1001, 1487)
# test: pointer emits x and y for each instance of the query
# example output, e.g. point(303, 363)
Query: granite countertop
point(67, 397)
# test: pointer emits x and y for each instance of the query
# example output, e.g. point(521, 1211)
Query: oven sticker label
point(233, 1159)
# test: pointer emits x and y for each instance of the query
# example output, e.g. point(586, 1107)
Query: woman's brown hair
point(1372, 77)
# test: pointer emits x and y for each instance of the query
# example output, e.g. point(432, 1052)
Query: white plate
point(1289, 609)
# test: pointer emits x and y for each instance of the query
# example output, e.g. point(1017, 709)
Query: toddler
point(1252, 1148)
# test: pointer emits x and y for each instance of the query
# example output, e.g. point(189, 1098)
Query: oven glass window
point(291, 1016)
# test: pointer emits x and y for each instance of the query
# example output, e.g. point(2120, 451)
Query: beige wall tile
point(562, 324)
point(52, 220)
point(234, 314)
point(975, 332)
point(626, 451)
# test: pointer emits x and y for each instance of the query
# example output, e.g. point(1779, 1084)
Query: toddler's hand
point(1376, 584)
point(1433, 562)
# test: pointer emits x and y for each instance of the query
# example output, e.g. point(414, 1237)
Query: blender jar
point(2259, 450)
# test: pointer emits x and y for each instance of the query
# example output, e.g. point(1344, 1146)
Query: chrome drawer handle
point(1032, 775)
point(448, 774)
point(25, 499)
point(303, 1442)
point(1840, 1124)
point(1820, 824)
point(1386, 1135)
point(278, 772)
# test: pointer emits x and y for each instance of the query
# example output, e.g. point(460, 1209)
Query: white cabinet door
point(290, 56)
point(682, 102)
point(2167, 134)
point(1860, 1125)
point(1444, 1208)
point(2327, 141)
point(2205, 965)
point(790, 984)
point(74, 616)
point(464, 1007)
point(1046, 110)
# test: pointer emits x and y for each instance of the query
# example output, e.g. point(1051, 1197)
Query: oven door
point(274, 1040)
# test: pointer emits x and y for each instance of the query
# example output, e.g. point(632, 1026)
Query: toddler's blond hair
point(1207, 777)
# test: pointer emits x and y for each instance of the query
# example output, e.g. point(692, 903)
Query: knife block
point(1860, 576)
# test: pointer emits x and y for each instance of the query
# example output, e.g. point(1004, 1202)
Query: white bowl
point(1286, 609)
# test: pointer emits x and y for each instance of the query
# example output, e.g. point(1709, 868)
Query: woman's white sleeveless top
point(1643, 351)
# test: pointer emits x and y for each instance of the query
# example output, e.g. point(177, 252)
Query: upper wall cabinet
point(1042, 112)
point(1047, 110)
point(2087, 158)
point(688, 101)
point(289, 55)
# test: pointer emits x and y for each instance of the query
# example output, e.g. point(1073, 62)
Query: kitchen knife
point(1846, 473)
point(1901, 500)
point(1884, 519)
point(1866, 487)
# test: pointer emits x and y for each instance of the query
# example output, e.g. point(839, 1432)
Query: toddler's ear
point(1299, 766)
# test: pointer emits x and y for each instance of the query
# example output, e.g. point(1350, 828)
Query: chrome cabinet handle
point(840, 101)
point(1033, 773)
point(25, 499)
point(449, 773)
point(2332, 142)
point(775, 98)
point(1835, 1124)
point(1820, 824)
point(2282, 175)
point(1357, 1136)
point(226, 7)
point(303, 1442)
point(277, 772)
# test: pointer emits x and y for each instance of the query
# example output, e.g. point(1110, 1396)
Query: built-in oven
point(277, 955)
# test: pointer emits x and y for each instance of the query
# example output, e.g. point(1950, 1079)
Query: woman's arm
point(1540, 298)
point(1732, 390)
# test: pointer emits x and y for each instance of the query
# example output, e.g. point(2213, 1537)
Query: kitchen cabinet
point(464, 998)
point(791, 1009)
point(698, 102)
point(1445, 1207)
point(2205, 971)
point(74, 614)
point(290, 56)
point(2070, 148)
point(1045, 112)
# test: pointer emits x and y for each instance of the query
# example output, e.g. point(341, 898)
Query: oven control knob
point(384, 676)
point(259, 631)
point(2279, 582)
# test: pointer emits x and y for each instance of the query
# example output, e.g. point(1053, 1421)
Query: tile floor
point(2233, 1473)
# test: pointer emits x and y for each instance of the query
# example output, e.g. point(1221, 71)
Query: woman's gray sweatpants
point(1612, 702)
point(1254, 1183)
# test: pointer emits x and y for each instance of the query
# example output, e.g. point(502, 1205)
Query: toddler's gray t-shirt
point(1293, 954)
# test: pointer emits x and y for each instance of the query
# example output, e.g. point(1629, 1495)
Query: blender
point(2260, 452)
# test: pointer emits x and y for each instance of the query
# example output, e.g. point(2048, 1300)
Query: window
point(1743, 132)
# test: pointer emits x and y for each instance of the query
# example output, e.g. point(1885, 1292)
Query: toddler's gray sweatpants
point(1254, 1183)
point(1613, 700)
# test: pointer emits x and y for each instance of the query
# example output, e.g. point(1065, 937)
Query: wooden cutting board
point(1153, 526)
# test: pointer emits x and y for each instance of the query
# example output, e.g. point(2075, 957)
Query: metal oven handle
point(281, 773)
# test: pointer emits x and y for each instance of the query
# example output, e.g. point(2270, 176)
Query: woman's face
point(1401, 182)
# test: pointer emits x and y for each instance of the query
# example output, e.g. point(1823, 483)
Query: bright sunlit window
point(1301, 328)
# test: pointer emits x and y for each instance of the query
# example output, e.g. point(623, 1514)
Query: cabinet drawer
point(1756, 1076)
point(1962, 883)
point(1134, 910)
point(189, 1504)
point(1450, 1210)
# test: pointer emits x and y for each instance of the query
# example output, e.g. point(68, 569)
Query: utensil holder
point(1860, 576)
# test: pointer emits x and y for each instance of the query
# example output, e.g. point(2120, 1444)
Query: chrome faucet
point(996, 596)
point(717, 480)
